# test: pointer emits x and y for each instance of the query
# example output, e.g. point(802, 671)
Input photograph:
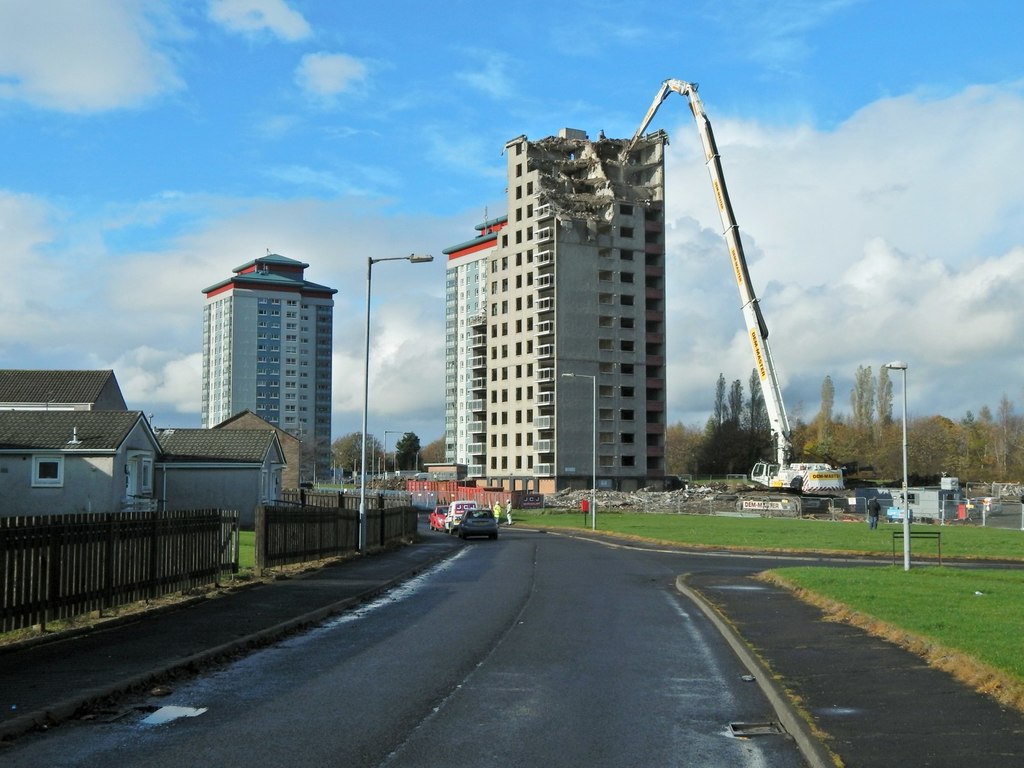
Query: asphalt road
point(532, 650)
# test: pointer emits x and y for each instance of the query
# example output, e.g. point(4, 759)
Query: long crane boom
point(757, 330)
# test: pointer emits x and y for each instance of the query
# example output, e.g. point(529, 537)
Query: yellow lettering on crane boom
point(718, 195)
point(755, 342)
point(736, 267)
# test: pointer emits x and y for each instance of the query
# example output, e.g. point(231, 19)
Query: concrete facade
point(575, 284)
point(267, 344)
point(466, 347)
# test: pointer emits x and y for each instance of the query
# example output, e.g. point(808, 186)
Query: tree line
point(867, 441)
point(987, 446)
point(406, 454)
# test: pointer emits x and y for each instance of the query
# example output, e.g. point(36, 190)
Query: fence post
point(52, 569)
point(108, 581)
point(154, 554)
point(261, 539)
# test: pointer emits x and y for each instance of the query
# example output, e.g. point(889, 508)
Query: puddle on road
point(167, 714)
point(739, 587)
point(837, 711)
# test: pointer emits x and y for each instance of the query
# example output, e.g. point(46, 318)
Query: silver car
point(478, 522)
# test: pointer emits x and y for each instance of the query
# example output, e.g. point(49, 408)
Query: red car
point(437, 518)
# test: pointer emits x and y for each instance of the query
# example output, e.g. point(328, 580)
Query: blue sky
point(873, 150)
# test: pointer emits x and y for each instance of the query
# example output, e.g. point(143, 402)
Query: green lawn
point(976, 612)
point(246, 550)
point(788, 535)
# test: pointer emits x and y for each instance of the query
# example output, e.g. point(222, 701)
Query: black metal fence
point(60, 566)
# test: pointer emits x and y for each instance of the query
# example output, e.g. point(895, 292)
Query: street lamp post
point(386, 433)
point(593, 487)
point(899, 365)
point(415, 259)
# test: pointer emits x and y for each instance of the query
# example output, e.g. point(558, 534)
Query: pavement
point(848, 699)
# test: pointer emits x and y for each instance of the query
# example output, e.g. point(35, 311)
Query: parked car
point(478, 522)
point(455, 512)
point(437, 517)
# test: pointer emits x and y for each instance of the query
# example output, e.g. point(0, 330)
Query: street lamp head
point(896, 365)
point(568, 375)
point(414, 258)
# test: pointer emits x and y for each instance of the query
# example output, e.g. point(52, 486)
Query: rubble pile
point(642, 500)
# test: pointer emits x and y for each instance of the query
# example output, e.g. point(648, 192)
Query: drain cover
point(754, 729)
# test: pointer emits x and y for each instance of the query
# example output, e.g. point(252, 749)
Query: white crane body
point(781, 474)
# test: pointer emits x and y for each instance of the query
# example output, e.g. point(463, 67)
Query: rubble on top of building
point(582, 178)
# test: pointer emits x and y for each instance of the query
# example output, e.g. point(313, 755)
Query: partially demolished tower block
point(576, 285)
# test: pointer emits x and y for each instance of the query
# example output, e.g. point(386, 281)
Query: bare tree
point(862, 398)
point(883, 402)
point(346, 451)
point(1006, 434)
point(682, 449)
point(432, 453)
point(736, 403)
point(719, 416)
point(828, 397)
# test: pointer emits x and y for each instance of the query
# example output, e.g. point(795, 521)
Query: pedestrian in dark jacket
point(874, 508)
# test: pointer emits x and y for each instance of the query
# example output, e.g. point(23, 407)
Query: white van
point(455, 512)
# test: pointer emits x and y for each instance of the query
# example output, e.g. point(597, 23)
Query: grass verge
point(966, 622)
point(789, 535)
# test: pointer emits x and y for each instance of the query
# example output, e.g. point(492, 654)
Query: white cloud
point(160, 381)
point(324, 75)
point(777, 33)
point(252, 17)
point(85, 57)
point(490, 74)
point(897, 235)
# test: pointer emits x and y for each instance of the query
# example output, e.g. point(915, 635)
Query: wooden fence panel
point(289, 534)
point(59, 566)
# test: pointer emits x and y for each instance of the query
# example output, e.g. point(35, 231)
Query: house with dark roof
point(69, 444)
point(57, 390)
point(65, 461)
point(289, 443)
point(224, 468)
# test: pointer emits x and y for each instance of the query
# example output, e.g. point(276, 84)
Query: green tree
point(737, 434)
point(407, 451)
point(931, 448)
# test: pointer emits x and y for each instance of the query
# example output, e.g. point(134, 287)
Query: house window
point(47, 471)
